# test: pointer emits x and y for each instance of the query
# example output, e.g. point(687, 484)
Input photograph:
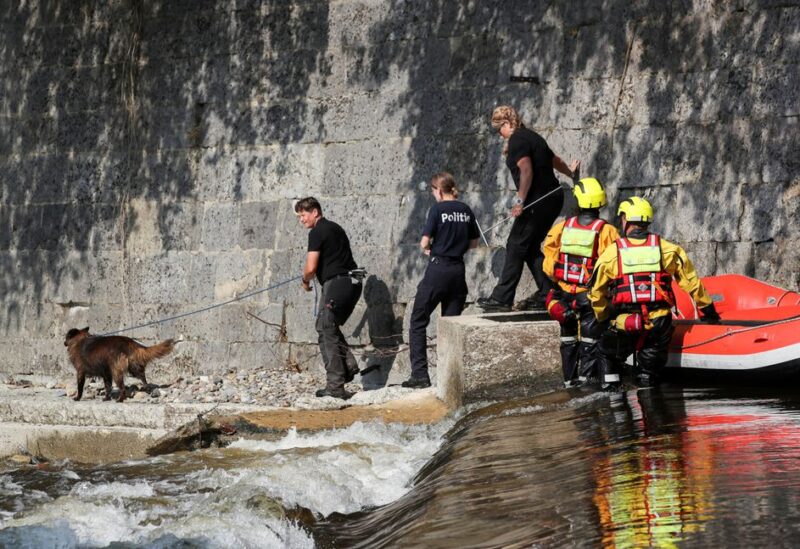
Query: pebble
point(267, 386)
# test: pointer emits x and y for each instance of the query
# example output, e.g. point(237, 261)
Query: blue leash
point(214, 306)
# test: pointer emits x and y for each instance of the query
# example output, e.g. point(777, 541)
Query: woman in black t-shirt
point(450, 230)
point(531, 163)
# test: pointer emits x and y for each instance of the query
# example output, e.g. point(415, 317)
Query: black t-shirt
point(451, 224)
point(524, 142)
point(335, 256)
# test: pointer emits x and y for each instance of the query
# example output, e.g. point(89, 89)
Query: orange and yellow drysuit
point(570, 252)
point(632, 289)
point(609, 281)
point(561, 266)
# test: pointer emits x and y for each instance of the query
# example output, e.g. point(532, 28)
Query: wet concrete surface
point(47, 423)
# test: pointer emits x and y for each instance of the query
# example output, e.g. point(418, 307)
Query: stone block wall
point(151, 151)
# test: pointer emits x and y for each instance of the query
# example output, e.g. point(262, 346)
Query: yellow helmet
point(636, 209)
point(590, 193)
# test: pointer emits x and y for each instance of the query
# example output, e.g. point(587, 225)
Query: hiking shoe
point(490, 304)
point(534, 302)
point(416, 383)
point(344, 395)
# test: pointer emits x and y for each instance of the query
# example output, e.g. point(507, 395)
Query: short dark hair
point(307, 204)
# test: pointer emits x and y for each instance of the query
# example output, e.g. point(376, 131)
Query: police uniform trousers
point(524, 247)
point(339, 297)
point(616, 346)
point(444, 283)
point(580, 353)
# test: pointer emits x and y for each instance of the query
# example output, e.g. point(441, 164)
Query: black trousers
point(339, 298)
point(616, 346)
point(444, 283)
point(580, 352)
point(524, 247)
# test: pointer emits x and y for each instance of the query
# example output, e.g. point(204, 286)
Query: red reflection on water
point(666, 483)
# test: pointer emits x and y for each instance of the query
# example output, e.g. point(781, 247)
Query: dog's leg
point(81, 381)
point(143, 378)
point(118, 371)
point(107, 382)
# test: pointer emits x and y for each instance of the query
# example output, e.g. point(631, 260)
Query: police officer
point(450, 230)
point(633, 290)
point(330, 259)
point(531, 162)
point(570, 251)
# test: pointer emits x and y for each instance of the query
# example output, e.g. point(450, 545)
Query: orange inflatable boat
point(758, 336)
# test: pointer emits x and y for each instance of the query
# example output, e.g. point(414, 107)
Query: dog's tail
point(143, 355)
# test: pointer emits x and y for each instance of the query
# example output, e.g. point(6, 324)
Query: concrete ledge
point(420, 406)
point(82, 444)
point(48, 424)
point(37, 408)
point(497, 356)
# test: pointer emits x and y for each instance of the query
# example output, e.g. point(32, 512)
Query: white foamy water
point(365, 465)
point(234, 497)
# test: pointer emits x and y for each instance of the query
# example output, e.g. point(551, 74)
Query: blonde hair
point(445, 182)
point(503, 114)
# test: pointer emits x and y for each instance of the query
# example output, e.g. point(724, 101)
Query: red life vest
point(641, 279)
point(578, 253)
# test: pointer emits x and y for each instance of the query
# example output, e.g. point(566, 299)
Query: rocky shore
point(268, 387)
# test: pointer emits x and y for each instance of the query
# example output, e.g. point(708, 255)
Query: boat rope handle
point(204, 309)
point(784, 294)
point(739, 331)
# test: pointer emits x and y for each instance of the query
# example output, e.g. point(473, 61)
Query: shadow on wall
point(693, 105)
point(384, 330)
point(119, 119)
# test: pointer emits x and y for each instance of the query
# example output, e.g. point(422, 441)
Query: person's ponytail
point(446, 183)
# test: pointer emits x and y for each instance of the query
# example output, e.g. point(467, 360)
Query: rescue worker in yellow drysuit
point(632, 289)
point(570, 252)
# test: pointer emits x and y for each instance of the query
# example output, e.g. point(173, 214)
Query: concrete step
point(36, 406)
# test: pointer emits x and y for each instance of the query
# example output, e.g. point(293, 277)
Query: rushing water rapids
point(668, 467)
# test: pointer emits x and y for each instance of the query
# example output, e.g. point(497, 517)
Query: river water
point(668, 467)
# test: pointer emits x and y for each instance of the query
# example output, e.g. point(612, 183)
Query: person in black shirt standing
point(531, 163)
point(449, 232)
point(330, 259)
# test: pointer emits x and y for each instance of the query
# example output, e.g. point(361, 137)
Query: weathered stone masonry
point(150, 151)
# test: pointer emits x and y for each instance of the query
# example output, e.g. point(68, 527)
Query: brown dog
point(110, 357)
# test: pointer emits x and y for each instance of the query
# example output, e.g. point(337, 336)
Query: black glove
point(710, 314)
